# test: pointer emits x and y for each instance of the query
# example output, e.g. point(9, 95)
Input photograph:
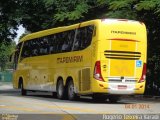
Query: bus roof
point(52, 31)
point(70, 27)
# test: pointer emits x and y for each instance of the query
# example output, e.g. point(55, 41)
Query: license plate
point(122, 86)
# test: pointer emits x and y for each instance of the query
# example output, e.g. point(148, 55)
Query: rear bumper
point(112, 88)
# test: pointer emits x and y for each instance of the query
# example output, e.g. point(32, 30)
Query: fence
point(6, 76)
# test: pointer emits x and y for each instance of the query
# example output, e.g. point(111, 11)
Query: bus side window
point(52, 44)
point(64, 42)
point(88, 36)
point(65, 46)
point(44, 48)
point(58, 45)
point(26, 50)
point(83, 37)
point(17, 55)
point(34, 47)
point(77, 43)
point(68, 39)
point(41, 46)
point(16, 59)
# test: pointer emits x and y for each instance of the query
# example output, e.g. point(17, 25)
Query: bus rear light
point(143, 76)
point(97, 71)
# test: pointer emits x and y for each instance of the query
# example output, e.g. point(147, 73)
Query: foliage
point(147, 5)
point(147, 11)
point(69, 12)
point(8, 20)
point(35, 15)
point(74, 12)
point(5, 53)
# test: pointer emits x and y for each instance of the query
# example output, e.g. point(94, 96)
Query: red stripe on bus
point(123, 39)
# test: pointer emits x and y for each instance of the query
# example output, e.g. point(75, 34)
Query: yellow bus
point(102, 58)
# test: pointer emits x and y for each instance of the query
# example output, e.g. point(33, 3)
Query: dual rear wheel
point(60, 90)
point(68, 91)
point(64, 92)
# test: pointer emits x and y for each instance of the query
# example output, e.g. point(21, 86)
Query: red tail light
point(97, 71)
point(143, 76)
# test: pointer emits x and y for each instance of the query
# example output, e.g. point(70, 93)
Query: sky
point(20, 31)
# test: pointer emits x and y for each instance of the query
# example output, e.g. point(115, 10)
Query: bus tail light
point(143, 76)
point(97, 71)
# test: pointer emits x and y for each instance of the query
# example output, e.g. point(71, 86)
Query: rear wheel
point(71, 93)
point(23, 91)
point(60, 89)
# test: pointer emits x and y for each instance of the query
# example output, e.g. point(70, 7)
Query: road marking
point(20, 108)
point(67, 108)
point(77, 109)
point(68, 117)
point(51, 106)
point(2, 105)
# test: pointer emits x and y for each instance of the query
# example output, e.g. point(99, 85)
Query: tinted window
point(52, 44)
point(18, 48)
point(61, 42)
point(83, 37)
point(58, 43)
point(43, 46)
point(68, 39)
point(26, 50)
point(16, 56)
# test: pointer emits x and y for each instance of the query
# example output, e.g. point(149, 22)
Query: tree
point(69, 12)
point(8, 20)
point(5, 54)
point(35, 15)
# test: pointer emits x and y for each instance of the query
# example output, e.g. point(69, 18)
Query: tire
point(114, 99)
point(60, 89)
point(23, 91)
point(70, 91)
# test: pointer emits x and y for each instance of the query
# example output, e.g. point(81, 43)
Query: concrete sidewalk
point(6, 85)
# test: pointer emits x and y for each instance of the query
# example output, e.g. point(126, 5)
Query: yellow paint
point(42, 72)
point(122, 68)
point(68, 117)
point(19, 108)
point(47, 106)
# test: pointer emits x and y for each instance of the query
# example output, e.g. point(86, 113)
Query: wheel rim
point(21, 86)
point(71, 90)
point(60, 89)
